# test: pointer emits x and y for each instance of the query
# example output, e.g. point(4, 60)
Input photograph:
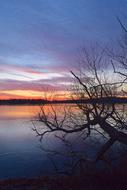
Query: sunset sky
point(40, 40)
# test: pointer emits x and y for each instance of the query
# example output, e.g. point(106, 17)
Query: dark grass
point(116, 180)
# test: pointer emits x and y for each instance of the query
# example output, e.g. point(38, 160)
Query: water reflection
point(13, 112)
point(92, 134)
point(20, 153)
point(19, 149)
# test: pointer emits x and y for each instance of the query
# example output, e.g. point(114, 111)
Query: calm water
point(20, 154)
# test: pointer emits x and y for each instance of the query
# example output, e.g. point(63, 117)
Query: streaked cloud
point(39, 40)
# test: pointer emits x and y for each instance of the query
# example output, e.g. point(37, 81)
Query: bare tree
point(119, 57)
point(98, 115)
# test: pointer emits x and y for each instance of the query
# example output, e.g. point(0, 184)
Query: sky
point(40, 40)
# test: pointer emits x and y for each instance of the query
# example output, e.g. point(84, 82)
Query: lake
point(20, 154)
point(20, 150)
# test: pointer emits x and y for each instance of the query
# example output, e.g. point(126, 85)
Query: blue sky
point(40, 39)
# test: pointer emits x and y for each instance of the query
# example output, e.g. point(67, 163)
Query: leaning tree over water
point(100, 118)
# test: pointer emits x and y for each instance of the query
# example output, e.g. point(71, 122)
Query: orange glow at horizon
point(31, 94)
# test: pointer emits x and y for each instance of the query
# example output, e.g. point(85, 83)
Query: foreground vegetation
point(115, 180)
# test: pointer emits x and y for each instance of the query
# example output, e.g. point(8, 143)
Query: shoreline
point(104, 100)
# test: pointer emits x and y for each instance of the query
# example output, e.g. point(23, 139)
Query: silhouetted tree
point(119, 58)
point(96, 82)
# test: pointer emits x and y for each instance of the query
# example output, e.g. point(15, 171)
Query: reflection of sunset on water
point(18, 111)
point(28, 112)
